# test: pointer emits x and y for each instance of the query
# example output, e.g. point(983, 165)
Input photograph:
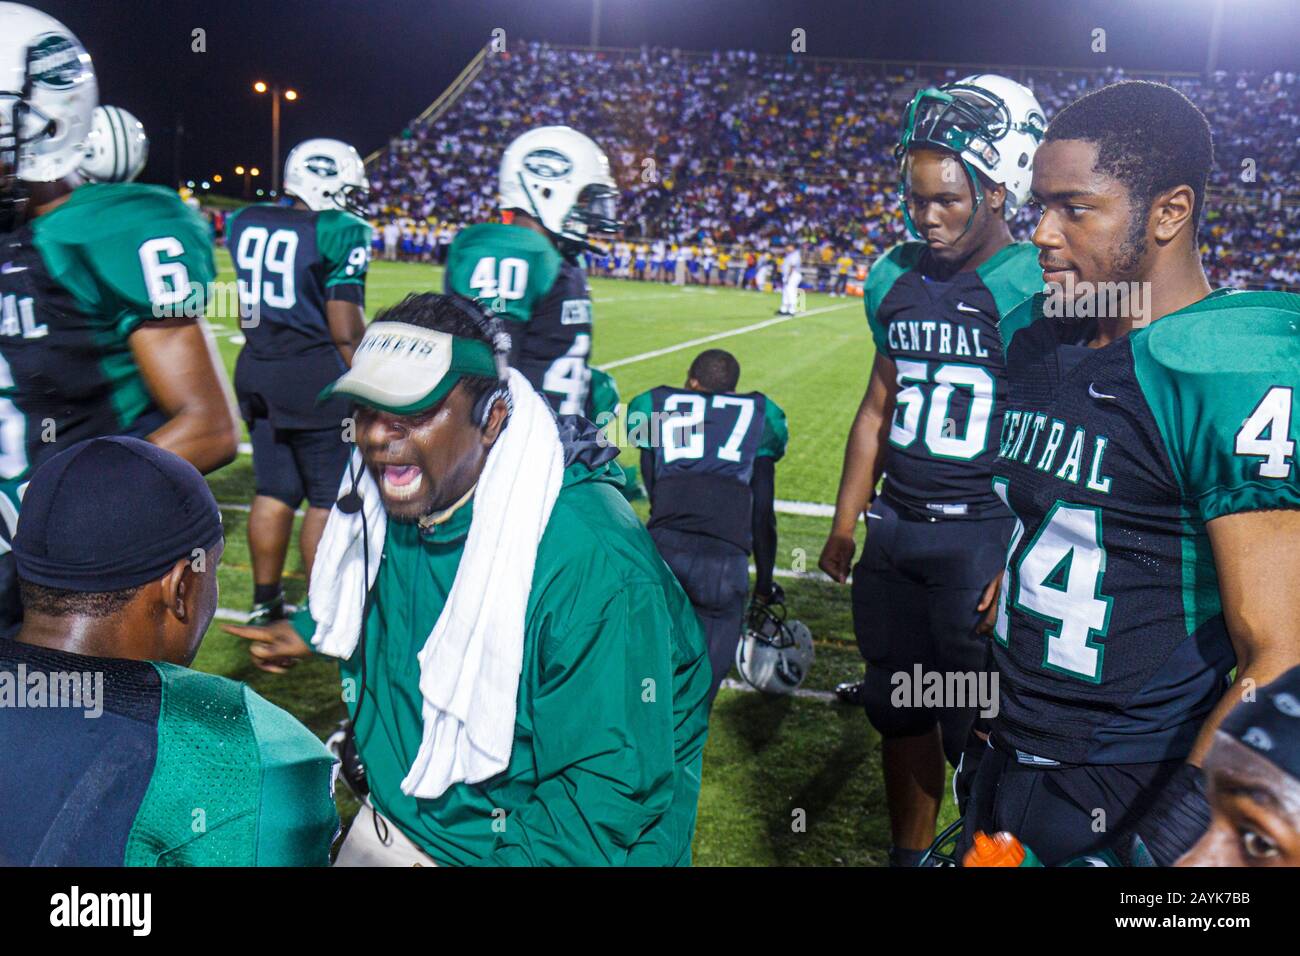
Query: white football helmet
point(47, 94)
point(993, 123)
point(561, 178)
point(774, 655)
point(118, 147)
point(327, 174)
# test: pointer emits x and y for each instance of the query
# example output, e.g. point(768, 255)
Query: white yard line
point(777, 320)
point(825, 696)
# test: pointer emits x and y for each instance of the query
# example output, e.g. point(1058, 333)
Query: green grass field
point(767, 758)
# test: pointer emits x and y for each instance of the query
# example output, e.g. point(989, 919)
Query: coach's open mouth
point(399, 481)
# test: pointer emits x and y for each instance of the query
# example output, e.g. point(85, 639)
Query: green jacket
point(611, 715)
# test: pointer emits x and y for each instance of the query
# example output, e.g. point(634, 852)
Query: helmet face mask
point(354, 198)
point(992, 124)
point(594, 214)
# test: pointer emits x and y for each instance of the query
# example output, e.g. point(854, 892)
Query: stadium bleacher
point(749, 149)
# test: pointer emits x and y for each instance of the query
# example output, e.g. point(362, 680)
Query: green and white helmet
point(561, 178)
point(47, 94)
point(118, 147)
point(774, 654)
point(992, 123)
point(327, 174)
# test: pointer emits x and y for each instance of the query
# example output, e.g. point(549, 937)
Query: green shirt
point(611, 712)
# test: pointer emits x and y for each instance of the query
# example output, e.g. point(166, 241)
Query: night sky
point(366, 67)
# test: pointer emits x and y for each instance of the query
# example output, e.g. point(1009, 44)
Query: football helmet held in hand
point(774, 654)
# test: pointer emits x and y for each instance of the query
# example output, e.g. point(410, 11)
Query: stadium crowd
point(746, 151)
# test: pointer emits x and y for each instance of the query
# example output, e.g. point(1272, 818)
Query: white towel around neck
point(470, 663)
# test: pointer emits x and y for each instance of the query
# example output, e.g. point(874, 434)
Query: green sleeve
point(885, 271)
point(506, 268)
point(344, 244)
point(605, 743)
point(639, 412)
point(1012, 275)
point(776, 434)
point(236, 781)
point(128, 253)
point(297, 818)
point(1020, 318)
point(1222, 380)
point(602, 394)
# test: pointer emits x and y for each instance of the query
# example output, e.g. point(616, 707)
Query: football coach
point(527, 680)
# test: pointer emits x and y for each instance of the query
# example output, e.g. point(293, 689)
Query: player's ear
point(995, 197)
point(1171, 212)
point(177, 586)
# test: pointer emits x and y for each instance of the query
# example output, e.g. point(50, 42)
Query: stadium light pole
point(595, 24)
point(1216, 33)
point(248, 172)
point(276, 94)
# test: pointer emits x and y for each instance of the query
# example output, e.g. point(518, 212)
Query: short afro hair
point(1148, 136)
point(58, 602)
point(715, 370)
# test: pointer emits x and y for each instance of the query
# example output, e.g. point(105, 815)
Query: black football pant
point(916, 590)
point(1060, 812)
point(715, 576)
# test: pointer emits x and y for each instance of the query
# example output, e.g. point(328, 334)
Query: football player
point(708, 460)
point(302, 288)
point(110, 588)
point(556, 197)
point(102, 287)
point(117, 149)
point(929, 420)
point(1253, 776)
point(1148, 452)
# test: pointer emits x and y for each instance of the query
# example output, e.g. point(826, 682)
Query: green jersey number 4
point(1058, 580)
point(1271, 415)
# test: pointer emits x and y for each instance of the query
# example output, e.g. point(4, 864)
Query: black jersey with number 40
point(943, 339)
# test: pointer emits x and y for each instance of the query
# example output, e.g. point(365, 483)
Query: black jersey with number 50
point(943, 339)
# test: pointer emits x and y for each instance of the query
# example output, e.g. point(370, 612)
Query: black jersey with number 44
point(1110, 638)
point(943, 339)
